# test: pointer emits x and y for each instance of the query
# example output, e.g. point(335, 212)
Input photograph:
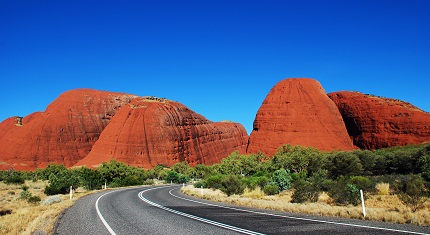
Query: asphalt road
point(164, 210)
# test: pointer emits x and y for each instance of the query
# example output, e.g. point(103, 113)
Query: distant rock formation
point(298, 112)
point(151, 131)
point(375, 122)
point(63, 134)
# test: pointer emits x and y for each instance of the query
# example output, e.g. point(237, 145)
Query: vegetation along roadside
point(395, 182)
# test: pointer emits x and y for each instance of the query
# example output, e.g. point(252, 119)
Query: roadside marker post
point(362, 202)
point(71, 192)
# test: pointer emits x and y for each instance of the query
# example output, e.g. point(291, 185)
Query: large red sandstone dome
point(63, 134)
point(375, 122)
point(151, 131)
point(298, 112)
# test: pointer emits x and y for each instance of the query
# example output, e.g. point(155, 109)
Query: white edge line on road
point(101, 216)
point(298, 218)
point(225, 226)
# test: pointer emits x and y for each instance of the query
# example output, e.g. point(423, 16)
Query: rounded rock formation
point(376, 122)
point(151, 131)
point(298, 112)
point(63, 134)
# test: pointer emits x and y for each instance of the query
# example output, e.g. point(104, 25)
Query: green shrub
point(14, 178)
point(343, 192)
point(282, 178)
point(362, 182)
point(214, 182)
point(24, 195)
point(199, 184)
point(33, 199)
point(304, 191)
point(271, 189)
point(413, 192)
point(60, 183)
point(232, 184)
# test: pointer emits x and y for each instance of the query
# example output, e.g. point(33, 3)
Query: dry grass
point(378, 207)
point(26, 218)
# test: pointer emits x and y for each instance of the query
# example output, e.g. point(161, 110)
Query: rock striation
point(376, 122)
point(298, 112)
point(151, 131)
point(64, 133)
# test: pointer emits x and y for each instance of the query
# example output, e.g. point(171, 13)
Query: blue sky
point(219, 58)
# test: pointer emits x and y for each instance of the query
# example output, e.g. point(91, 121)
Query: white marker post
point(362, 203)
point(71, 192)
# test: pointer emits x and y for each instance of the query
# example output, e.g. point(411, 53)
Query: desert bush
point(214, 181)
point(344, 164)
point(199, 184)
point(88, 178)
point(14, 178)
point(344, 192)
point(305, 191)
point(271, 189)
point(24, 195)
point(363, 182)
point(282, 178)
point(33, 199)
point(61, 182)
point(232, 184)
point(413, 192)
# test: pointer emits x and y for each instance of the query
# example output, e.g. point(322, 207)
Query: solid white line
point(101, 216)
point(298, 218)
point(226, 226)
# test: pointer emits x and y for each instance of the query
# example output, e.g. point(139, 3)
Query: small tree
point(232, 184)
point(282, 178)
point(413, 193)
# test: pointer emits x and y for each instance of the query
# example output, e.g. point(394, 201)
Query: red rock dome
point(63, 134)
point(151, 131)
point(298, 112)
point(376, 122)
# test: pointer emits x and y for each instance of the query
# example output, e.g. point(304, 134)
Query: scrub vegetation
point(395, 182)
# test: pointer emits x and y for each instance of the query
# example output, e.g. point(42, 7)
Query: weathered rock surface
point(63, 134)
point(151, 131)
point(298, 112)
point(375, 122)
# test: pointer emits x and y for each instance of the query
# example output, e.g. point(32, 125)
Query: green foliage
point(256, 181)
point(413, 192)
point(200, 184)
point(180, 167)
point(298, 159)
point(305, 191)
point(344, 192)
point(172, 176)
point(232, 184)
point(118, 174)
point(61, 182)
point(344, 164)
point(363, 182)
point(282, 178)
point(214, 181)
point(271, 189)
point(51, 169)
point(34, 199)
point(90, 179)
point(14, 177)
point(24, 195)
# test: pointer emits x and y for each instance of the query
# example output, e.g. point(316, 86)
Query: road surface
point(165, 210)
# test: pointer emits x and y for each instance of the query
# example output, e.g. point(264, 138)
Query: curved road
point(165, 210)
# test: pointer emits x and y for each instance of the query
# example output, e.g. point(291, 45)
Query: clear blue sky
point(219, 58)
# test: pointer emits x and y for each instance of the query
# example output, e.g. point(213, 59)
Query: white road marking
point(226, 226)
point(299, 218)
point(101, 216)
